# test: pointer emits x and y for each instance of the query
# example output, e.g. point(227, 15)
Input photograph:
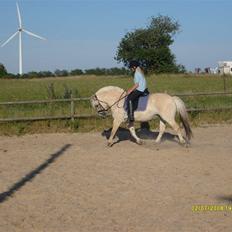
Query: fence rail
point(202, 94)
point(73, 116)
point(44, 101)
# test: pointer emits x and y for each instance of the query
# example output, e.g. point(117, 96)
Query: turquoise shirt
point(140, 79)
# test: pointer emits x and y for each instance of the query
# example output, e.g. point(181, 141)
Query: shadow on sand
point(145, 134)
point(225, 198)
point(32, 174)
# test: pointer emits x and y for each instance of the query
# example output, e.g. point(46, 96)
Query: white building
point(225, 67)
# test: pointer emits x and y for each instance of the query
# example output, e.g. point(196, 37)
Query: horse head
point(104, 99)
point(100, 106)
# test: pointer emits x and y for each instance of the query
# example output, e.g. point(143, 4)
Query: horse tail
point(183, 116)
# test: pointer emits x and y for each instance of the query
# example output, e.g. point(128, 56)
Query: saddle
point(142, 102)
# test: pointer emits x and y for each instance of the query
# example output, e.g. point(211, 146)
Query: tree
point(76, 72)
point(3, 71)
point(151, 46)
point(33, 74)
point(118, 71)
point(61, 73)
point(46, 74)
point(107, 71)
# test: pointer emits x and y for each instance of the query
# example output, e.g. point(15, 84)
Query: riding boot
point(131, 112)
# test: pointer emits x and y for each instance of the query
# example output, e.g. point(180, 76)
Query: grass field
point(85, 86)
point(12, 90)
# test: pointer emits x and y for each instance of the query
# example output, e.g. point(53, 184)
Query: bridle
point(101, 109)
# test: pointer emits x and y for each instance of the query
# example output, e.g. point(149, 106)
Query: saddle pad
point(142, 104)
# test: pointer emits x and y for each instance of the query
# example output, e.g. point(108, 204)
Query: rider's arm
point(135, 86)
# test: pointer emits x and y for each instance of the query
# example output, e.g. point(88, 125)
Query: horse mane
point(109, 88)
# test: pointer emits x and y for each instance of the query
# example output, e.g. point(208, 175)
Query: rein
point(105, 110)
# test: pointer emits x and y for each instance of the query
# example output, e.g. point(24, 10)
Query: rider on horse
point(138, 89)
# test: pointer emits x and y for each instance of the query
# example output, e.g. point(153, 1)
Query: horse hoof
point(110, 144)
point(140, 142)
point(184, 144)
point(187, 144)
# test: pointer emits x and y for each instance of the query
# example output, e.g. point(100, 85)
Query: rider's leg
point(132, 104)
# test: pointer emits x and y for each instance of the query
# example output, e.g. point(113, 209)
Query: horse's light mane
point(109, 88)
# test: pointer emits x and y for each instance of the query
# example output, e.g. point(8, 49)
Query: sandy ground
point(73, 182)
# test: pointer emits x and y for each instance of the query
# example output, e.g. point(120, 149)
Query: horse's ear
point(92, 97)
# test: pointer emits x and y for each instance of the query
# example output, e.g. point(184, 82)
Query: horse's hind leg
point(161, 131)
point(132, 131)
point(177, 129)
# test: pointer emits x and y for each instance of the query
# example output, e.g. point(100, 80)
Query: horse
point(159, 104)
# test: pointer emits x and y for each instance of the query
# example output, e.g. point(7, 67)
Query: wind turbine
point(19, 32)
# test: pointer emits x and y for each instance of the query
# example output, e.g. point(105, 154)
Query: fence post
point(72, 108)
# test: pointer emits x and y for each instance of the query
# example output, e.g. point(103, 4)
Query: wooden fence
point(72, 115)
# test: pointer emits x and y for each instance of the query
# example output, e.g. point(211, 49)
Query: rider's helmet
point(133, 63)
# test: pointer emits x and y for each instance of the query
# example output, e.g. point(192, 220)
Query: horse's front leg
point(116, 124)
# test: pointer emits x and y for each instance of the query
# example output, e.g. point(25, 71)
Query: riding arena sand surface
point(75, 183)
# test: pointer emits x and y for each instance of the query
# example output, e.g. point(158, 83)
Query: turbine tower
point(19, 32)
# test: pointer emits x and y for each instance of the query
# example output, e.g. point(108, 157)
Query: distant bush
point(68, 92)
point(51, 91)
point(105, 71)
point(64, 73)
point(46, 74)
point(33, 74)
point(61, 73)
point(76, 72)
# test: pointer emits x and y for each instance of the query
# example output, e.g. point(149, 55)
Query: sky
point(86, 33)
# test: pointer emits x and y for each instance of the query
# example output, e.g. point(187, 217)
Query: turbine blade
point(19, 16)
point(32, 34)
point(10, 39)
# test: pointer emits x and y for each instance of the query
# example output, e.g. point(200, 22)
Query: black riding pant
point(132, 103)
